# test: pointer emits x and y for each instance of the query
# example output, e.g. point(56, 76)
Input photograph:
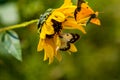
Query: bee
point(67, 39)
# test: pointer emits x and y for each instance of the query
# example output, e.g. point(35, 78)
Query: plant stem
point(18, 25)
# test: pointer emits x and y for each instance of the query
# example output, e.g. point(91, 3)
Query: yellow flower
point(51, 23)
point(65, 15)
point(52, 46)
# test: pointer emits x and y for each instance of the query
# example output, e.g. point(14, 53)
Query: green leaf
point(10, 44)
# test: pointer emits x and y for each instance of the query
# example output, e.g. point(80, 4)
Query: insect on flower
point(67, 39)
point(83, 10)
point(53, 21)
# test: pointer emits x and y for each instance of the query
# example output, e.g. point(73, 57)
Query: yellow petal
point(57, 40)
point(40, 45)
point(49, 50)
point(43, 33)
point(66, 3)
point(48, 53)
point(56, 43)
point(67, 11)
point(48, 28)
point(51, 60)
point(45, 56)
point(72, 24)
point(58, 56)
point(72, 48)
point(58, 16)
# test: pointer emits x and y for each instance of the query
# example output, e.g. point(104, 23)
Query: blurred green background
point(98, 56)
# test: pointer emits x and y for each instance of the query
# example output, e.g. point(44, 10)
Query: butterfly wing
point(78, 7)
point(83, 10)
point(95, 21)
point(66, 39)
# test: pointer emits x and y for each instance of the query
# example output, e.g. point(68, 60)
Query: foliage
point(10, 44)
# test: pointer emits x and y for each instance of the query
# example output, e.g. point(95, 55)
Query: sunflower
point(53, 21)
point(50, 46)
point(53, 46)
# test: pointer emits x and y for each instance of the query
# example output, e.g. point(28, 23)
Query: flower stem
point(18, 25)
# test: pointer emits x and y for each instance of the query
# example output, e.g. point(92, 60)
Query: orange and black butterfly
point(83, 10)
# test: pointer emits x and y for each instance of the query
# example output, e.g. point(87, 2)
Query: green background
point(98, 56)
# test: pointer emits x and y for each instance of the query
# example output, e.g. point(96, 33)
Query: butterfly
point(67, 39)
point(83, 11)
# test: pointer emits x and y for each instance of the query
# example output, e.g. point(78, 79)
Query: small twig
point(18, 25)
